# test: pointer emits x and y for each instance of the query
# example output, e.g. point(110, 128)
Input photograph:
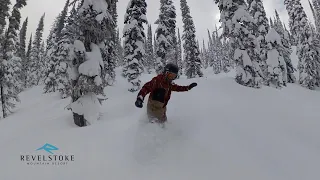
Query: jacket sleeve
point(178, 88)
point(147, 88)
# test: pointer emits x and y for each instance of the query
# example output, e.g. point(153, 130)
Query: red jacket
point(160, 82)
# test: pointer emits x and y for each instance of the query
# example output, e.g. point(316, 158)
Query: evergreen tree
point(308, 49)
point(164, 33)
point(260, 29)
point(290, 9)
point(120, 57)
point(60, 75)
point(51, 60)
point(4, 13)
point(316, 13)
point(42, 56)
point(172, 52)
point(90, 29)
point(35, 65)
point(211, 50)
point(11, 63)
point(61, 21)
point(149, 51)
point(179, 54)
point(155, 47)
point(191, 49)
point(22, 49)
point(205, 56)
point(134, 42)
point(277, 71)
point(25, 64)
point(285, 50)
point(22, 40)
point(278, 26)
point(236, 22)
point(218, 52)
point(271, 23)
point(111, 50)
point(226, 59)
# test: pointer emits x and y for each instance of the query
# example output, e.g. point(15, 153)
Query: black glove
point(192, 85)
point(139, 102)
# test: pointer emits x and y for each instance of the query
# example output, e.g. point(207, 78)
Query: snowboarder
point(160, 88)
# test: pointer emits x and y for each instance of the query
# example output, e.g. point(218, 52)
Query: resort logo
point(50, 156)
point(48, 147)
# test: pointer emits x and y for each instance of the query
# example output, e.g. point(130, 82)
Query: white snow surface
point(218, 130)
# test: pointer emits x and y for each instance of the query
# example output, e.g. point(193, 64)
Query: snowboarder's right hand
point(139, 102)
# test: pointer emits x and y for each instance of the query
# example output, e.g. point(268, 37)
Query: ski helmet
point(171, 68)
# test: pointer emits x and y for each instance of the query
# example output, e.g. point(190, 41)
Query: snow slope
point(218, 130)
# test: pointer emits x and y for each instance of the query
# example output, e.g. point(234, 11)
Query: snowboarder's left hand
point(192, 85)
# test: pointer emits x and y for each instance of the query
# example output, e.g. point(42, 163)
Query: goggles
point(171, 75)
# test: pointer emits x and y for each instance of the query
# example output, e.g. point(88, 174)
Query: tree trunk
point(78, 119)
point(4, 113)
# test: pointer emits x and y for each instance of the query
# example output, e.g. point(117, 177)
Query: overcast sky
point(205, 13)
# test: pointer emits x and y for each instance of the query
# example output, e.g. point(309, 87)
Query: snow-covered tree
point(149, 50)
point(227, 62)
point(35, 65)
point(211, 50)
point(260, 29)
point(110, 53)
point(205, 52)
point(51, 60)
point(22, 48)
point(120, 57)
point(25, 64)
point(286, 50)
point(277, 71)
point(11, 63)
point(290, 9)
point(155, 47)
point(4, 13)
point(164, 33)
point(308, 47)
point(236, 22)
point(58, 78)
point(316, 13)
point(218, 47)
point(191, 49)
point(22, 39)
point(179, 54)
point(271, 23)
point(91, 27)
point(61, 70)
point(286, 53)
point(134, 42)
point(278, 25)
point(171, 56)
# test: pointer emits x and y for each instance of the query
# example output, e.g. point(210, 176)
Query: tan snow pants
point(156, 111)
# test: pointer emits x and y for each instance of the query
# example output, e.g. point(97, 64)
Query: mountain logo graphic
point(48, 147)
